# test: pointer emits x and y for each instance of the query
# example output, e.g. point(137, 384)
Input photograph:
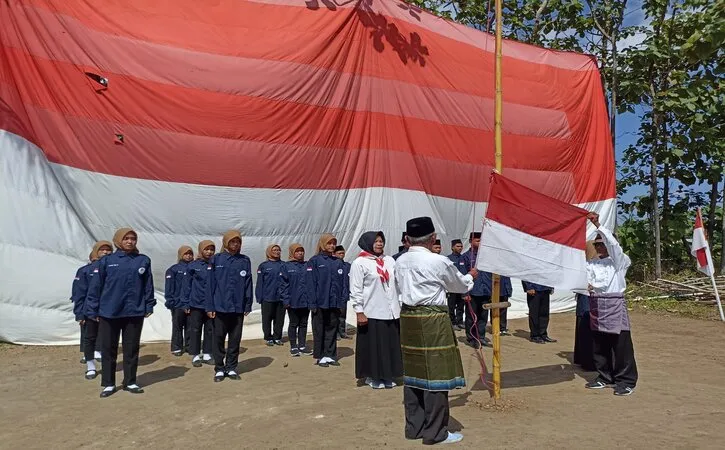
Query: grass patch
point(673, 306)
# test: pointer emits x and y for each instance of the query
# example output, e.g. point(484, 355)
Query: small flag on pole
point(701, 251)
point(533, 237)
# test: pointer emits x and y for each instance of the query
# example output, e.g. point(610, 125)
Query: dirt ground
point(284, 402)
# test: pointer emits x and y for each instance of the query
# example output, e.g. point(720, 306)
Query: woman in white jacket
point(374, 296)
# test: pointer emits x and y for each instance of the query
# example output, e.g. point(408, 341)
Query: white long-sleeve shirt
point(607, 275)
point(423, 278)
point(368, 294)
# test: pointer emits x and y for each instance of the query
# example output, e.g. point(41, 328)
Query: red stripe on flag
point(523, 209)
point(702, 258)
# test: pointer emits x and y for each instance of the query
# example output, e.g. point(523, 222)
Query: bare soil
point(285, 402)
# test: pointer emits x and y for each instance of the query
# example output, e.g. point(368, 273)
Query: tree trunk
point(665, 200)
point(713, 205)
point(654, 193)
point(722, 236)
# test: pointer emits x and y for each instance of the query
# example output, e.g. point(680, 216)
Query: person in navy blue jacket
point(268, 295)
point(403, 248)
point(120, 295)
point(325, 285)
point(179, 315)
point(342, 323)
point(229, 298)
point(538, 297)
point(479, 295)
point(294, 297)
point(504, 295)
point(456, 305)
point(90, 344)
point(193, 299)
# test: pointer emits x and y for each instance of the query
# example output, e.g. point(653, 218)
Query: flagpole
point(498, 153)
point(717, 296)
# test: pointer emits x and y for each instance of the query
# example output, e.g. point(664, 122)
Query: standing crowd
point(406, 307)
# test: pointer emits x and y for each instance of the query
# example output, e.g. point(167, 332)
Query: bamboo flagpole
point(495, 279)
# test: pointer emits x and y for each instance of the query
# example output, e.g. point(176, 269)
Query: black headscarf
point(367, 240)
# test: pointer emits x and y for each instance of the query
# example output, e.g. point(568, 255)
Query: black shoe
point(83, 359)
point(91, 375)
point(278, 342)
point(196, 362)
point(548, 339)
point(505, 333)
point(537, 340)
point(487, 343)
point(334, 363)
point(105, 393)
point(597, 384)
point(472, 344)
point(208, 362)
point(306, 351)
point(294, 352)
point(270, 343)
point(219, 376)
point(324, 364)
point(177, 353)
point(623, 391)
point(233, 376)
point(133, 390)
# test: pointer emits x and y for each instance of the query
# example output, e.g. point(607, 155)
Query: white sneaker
point(452, 438)
point(97, 355)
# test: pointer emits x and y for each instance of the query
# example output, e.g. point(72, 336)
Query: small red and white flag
point(700, 248)
point(533, 237)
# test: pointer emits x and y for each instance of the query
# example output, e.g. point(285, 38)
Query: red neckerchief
point(380, 263)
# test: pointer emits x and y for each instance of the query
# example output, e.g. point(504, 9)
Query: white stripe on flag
point(507, 251)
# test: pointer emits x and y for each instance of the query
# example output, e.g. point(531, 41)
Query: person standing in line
point(229, 298)
point(374, 297)
point(90, 344)
point(506, 290)
point(172, 291)
point(583, 342)
point(403, 248)
point(193, 299)
point(325, 286)
point(437, 249)
point(120, 296)
point(431, 359)
point(479, 295)
point(269, 297)
point(294, 297)
point(456, 304)
point(609, 320)
point(342, 326)
point(539, 299)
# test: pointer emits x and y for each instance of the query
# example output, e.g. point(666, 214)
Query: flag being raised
point(533, 237)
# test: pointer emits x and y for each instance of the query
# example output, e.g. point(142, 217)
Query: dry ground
point(283, 402)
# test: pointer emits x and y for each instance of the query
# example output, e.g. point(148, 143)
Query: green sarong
point(431, 360)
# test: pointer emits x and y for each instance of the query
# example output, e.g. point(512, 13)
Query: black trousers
point(91, 341)
point(110, 331)
point(477, 303)
point(539, 313)
point(342, 324)
point(583, 343)
point(297, 330)
point(503, 321)
point(199, 321)
point(227, 325)
point(272, 312)
point(456, 307)
point(83, 337)
point(324, 333)
point(614, 358)
point(179, 330)
point(426, 415)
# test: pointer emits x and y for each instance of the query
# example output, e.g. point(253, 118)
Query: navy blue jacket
point(537, 287)
point(292, 287)
point(483, 284)
point(80, 290)
point(325, 281)
point(121, 285)
point(346, 283)
point(457, 260)
point(193, 293)
point(229, 285)
point(399, 254)
point(268, 282)
point(174, 284)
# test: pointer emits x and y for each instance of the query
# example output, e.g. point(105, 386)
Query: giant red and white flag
point(700, 248)
point(533, 237)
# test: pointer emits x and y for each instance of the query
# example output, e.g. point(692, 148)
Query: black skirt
point(377, 350)
point(583, 343)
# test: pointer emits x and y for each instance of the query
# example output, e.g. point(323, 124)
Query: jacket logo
point(141, 270)
point(309, 269)
point(168, 276)
point(243, 273)
point(339, 271)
